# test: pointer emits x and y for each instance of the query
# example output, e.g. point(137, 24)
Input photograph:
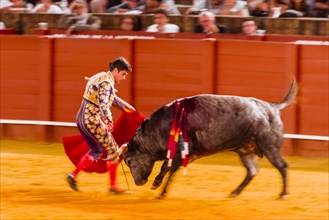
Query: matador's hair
point(121, 64)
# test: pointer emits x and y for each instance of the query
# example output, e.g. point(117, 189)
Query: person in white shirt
point(161, 23)
point(47, 6)
point(12, 5)
point(79, 19)
point(5, 5)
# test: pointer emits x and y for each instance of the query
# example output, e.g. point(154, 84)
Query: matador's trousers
point(94, 132)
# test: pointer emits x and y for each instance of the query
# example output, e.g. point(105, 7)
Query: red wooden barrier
point(20, 90)
point(313, 105)
point(8, 31)
point(292, 38)
point(258, 69)
point(43, 79)
point(171, 69)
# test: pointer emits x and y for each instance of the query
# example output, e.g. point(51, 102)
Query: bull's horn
point(123, 149)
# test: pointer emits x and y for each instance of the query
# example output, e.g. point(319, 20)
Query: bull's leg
point(158, 179)
point(273, 155)
point(173, 169)
point(250, 163)
point(270, 146)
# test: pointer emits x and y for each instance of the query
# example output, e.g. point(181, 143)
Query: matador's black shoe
point(72, 182)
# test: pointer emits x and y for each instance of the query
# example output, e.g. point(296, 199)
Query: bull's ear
point(144, 123)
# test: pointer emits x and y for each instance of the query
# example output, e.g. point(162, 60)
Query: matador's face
point(120, 76)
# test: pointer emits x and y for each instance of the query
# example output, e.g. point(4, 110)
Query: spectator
point(152, 5)
point(100, 6)
point(258, 10)
point(161, 23)
point(296, 8)
point(207, 24)
point(47, 6)
point(278, 6)
point(128, 7)
point(170, 7)
point(253, 4)
point(249, 27)
point(5, 5)
point(33, 3)
point(321, 8)
point(13, 5)
point(111, 3)
point(201, 5)
point(235, 7)
point(128, 23)
point(79, 19)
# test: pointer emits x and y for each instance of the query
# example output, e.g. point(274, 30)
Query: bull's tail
point(290, 96)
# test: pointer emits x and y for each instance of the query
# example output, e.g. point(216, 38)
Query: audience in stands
point(206, 9)
point(144, 6)
point(128, 7)
point(129, 23)
point(111, 3)
point(296, 8)
point(7, 5)
point(152, 5)
point(47, 6)
point(101, 6)
point(170, 7)
point(321, 8)
point(249, 27)
point(207, 24)
point(79, 19)
point(235, 7)
point(219, 7)
point(161, 23)
point(258, 8)
point(214, 6)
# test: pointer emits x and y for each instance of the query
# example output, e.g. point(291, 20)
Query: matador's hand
point(109, 127)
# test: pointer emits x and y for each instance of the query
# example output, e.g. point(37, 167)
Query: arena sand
point(33, 187)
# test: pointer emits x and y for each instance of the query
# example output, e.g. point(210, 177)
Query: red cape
point(124, 129)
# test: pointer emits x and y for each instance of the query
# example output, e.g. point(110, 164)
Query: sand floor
point(33, 187)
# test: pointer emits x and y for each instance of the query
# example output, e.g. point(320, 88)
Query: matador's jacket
point(94, 114)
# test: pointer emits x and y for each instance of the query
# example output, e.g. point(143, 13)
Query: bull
point(215, 123)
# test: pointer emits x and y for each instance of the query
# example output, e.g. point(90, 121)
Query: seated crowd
point(82, 14)
point(263, 8)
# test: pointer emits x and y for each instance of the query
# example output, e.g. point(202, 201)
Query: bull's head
point(139, 160)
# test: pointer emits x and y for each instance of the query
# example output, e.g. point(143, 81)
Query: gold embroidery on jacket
point(93, 86)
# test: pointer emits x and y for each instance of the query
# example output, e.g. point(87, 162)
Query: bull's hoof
point(233, 195)
point(283, 197)
point(153, 187)
point(162, 196)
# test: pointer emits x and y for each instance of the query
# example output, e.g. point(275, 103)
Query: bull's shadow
point(209, 124)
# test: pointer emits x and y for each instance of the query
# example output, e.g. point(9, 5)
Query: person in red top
point(95, 123)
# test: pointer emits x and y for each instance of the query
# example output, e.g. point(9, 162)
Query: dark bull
point(248, 126)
